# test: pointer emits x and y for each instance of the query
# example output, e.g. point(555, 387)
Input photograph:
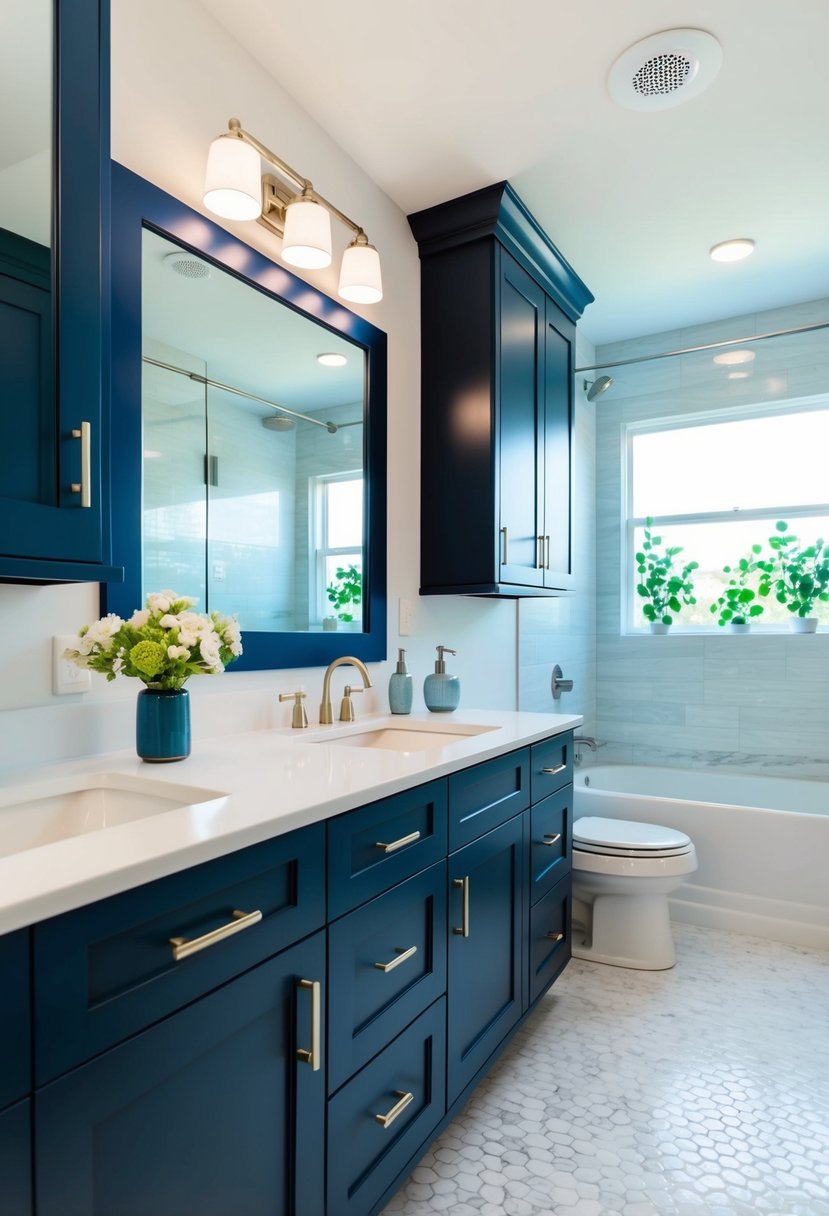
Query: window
point(716, 485)
point(337, 507)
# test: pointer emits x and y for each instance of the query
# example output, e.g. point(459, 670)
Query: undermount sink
point(406, 738)
point(48, 811)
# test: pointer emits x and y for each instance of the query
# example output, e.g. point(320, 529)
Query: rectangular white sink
point(406, 738)
point(49, 811)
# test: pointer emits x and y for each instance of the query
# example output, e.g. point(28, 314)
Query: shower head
point(278, 422)
point(595, 388)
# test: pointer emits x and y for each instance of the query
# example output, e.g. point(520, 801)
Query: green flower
point(149, 658)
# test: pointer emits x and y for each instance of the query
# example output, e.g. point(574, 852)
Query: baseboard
point(773, 919)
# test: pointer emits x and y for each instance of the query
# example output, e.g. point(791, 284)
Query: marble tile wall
point(562, 630)
point(757, 702)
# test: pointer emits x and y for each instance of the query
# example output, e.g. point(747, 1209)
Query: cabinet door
point(51, 323)
point(16, 1161)
point(15, 1049)
point(209, 1112)
point(486, 936)
point(521, 425)
point(558, 440)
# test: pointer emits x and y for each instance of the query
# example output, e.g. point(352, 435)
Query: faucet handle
point(299, 718)
point(347, 706)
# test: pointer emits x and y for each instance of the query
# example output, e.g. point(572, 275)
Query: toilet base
point(623, 931)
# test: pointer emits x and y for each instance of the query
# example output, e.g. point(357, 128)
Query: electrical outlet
point(66, 676)
point(404, 623)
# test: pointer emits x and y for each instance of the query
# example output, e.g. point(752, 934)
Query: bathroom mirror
point(247, 471)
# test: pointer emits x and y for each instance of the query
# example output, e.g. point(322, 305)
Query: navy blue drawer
point(372, 995)
point(377, 846)
point(16, 1161)
point(549, 937)
point(108, 970)
point(364, 1157)
point(485, 796)
point(552, 765)
point(15, 1053)
point(551, 825)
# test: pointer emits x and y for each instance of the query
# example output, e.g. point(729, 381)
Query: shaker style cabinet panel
point(16, 1160)
point(54, 496)
point(209, 1112)
point(498, 312)
point(15, 1041)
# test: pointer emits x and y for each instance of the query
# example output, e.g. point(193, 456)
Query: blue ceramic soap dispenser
point(441, 691)
point(400, 686)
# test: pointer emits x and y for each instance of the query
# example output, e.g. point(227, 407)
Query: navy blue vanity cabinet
point(486, 949)
point(498, 310)
point(218, 1109)
point(16, 1160)
point(54, 493)
point(15, 1040)
point(550, 937)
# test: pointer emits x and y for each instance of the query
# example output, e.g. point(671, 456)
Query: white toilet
point(623, 873)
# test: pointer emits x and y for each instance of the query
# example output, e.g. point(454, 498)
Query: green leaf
point(667, 620)
point(756, 548)
point(781, 526)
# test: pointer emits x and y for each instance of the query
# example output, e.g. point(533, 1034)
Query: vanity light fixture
point(332, 360)
point(235, 189)
point(732, 251)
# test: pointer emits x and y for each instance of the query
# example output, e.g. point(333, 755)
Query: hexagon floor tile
point(701, 1091)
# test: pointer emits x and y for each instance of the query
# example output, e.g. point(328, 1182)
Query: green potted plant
point(799, 577)
point(663, 587)
point(345, 593)
point(737, 607)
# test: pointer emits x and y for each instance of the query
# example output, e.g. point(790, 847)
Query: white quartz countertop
point(252, 787)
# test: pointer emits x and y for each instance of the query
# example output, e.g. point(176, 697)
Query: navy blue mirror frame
point(136, 205)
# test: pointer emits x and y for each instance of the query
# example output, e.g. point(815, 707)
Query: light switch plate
point(66, 676)
point(404, 624)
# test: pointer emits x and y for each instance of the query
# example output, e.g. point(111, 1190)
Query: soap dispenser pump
point(441, 691)
point(400, 686)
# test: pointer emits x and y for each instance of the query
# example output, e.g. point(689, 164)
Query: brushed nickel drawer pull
point(398, 1108)
point(84, 486)
point(554, 937)
point(504, 560)
point(402, 955)
point(554, 772)
point(550, 839)
point(547, 543)
point(312, 1056)
point(463, 884)
point(397, 844)
point(182, 948)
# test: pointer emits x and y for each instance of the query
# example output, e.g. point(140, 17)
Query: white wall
point(757, 702)
point(176, 79)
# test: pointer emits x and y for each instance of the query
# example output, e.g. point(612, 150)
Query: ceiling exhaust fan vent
point(665, 70)
point(187, 265)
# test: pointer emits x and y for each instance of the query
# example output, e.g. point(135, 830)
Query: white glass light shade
point(306, 241)
point(360, 279)
point(232, 182)
point(732, 251)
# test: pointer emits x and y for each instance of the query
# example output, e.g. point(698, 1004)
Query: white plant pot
point(658, 627)
point(803, 624)
point(329, 624)
point(733, 627)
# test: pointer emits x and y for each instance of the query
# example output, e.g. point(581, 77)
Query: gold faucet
point(326, 715)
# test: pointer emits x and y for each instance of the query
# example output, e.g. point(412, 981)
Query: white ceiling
point(446, 96)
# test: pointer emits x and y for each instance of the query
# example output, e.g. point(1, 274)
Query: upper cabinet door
point(559, 426)
point(53, 230)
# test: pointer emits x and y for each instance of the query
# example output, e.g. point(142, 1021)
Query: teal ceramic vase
point(162, 725)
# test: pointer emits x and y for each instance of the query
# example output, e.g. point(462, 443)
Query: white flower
point(159, 601)
point(209, 647)
point(99, 634)
point(178, 652)
point(118, 661)
point(235, 649)
point(168, 621)
point(139, 618)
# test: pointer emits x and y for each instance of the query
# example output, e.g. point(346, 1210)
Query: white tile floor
point(699, 1090)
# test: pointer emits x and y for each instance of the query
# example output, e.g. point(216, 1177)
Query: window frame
point(318, 551)
point(629, 431)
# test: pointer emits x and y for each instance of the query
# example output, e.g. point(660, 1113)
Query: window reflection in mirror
point(252, 449)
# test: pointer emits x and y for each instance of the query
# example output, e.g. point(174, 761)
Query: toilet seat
point(624, 838)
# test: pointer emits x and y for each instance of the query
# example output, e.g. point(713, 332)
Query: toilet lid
point(598, 835)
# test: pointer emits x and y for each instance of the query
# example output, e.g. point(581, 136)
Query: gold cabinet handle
point(553, 772)
point(397, 844)
point(504, 561)
point(463, 883)
point(312, 1056)
point(84, 486)
point(550, 839)
point(182, 948)
point(402, 955)
point(554, 937)
point(398, 1108)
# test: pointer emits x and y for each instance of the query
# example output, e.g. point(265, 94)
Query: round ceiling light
point(332, 360)
point(732, 251)
point(665, 69)
point(729, 358)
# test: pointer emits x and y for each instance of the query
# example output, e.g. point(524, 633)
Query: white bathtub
point(762, 843)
